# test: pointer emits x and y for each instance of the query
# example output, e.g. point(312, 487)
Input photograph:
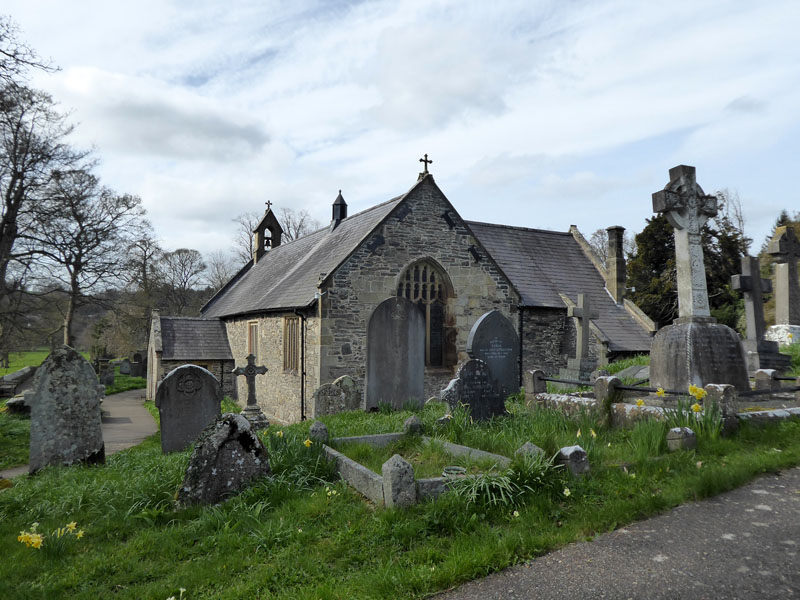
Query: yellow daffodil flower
point(279, 433)
point(79, 534)
point(36, 540)
point(660, 392)
point(308, 443)
point(71, 526)
point(697, 408)
point(592, 433)
point(640, 402)
point(579, 433)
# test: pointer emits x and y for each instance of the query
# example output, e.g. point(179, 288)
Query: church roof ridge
point(519, 228)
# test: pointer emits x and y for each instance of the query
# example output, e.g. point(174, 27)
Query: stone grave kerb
point(687, 208)
point(785, 248)
point(252, 411)
point(582, 313)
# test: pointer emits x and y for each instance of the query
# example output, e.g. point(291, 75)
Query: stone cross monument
point(760, 353)
point(252, 411)
point(785, 247)
point(695, 350)
point(581, 366)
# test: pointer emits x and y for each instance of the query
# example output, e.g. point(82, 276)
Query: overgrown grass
point(793, 351)
point(301, 535)
point(15, 435)
point(639, 360)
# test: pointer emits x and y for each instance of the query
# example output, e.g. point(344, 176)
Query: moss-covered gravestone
point(65, 412)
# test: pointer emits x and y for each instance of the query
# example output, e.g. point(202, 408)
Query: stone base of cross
point(252, 412)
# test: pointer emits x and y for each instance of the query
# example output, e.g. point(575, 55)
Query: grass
point(428, 459)
point(302, 535)
point(794, 352)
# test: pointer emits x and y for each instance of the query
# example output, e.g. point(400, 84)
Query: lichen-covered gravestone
point(65, 412)
point(493, 340)
point(395, 354)
point(228, 456)
point(336, 397)
point(188, 399)
point(473, 386)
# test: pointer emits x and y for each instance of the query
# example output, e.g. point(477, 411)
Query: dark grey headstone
point(65, 412)
point(188, 399)
point(473, 386)
point(125, 367)
point(395, 354)
point(107, 376)
point(332, 398)
point(493, 340)
point(228, 456)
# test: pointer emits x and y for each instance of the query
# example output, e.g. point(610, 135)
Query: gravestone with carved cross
point(695, 349)
point(785, 248)
point(252, 411)
point(582, 365)
point(760, 353)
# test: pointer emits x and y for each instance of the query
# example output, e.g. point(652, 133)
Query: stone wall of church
point(416, 230)
point(549, 337)
point(278, 392)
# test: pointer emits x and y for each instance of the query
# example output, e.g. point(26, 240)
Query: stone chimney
point(615, 265)
point(263, 243)
point(339, 211)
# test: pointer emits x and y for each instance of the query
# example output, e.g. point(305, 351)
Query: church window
point(424, 284)
point(291, 344)
point(252, 338)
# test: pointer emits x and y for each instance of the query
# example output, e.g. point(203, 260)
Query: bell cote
point(266, 235)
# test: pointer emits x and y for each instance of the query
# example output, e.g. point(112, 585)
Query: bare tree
point(182, 272)
point(243, 243)
point(599, 243)
point(221, 267)
point(32, 149)
point(296, 224)
point(86, 227)
point(16, 57)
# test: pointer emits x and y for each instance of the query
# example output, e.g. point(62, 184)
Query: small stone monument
point(493, 340)
point(574, 459)
point(106, 375)
point(336, 397)
point(188, 399)
point(759, 353)
point(399, 486)
point(474, 387)
point(125, 367)
point(252, 411)
point(785, 247)
point(695, 350)
point(581, 366)
point(227, 457)
point(65, 412)
point(395, 354)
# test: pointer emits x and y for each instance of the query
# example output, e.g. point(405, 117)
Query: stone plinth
point(697, 351)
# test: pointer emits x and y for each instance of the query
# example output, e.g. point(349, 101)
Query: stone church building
point(302, 307)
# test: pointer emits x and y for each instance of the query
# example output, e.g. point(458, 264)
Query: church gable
point(425, 252)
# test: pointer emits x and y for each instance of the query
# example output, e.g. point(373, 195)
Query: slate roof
point(541, 264)
point(191, 338)
point(287, 276)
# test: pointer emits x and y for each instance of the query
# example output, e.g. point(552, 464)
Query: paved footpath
point(124, 420)
point(739, 545)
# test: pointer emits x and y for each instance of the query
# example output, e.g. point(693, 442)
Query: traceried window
point(424, 284)
point(252, 338)
point(291, 344)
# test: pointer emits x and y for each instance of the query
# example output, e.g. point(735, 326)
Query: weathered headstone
point(336, 397)
point(107, 375)
point(125, 367)
point(759, 353)
point(695, 350)
point(252, 412)
point(413, 426)
point(395, 354)
point(529, 449)
point(785, 248)
point(399, 487)
point(228, 456)
point(574, 459)
point(581, 366)
point(65, 412)
point(493, 340)
point(319, 432)
point(473, 387)
point(681, 438)
point(188, 399)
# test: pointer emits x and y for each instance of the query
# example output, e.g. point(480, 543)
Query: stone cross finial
point(582, 313)
point(250, 372)
point(752, 286)
point(687, 208)
point(269, 204)
point(426, 162)
point(785, 247)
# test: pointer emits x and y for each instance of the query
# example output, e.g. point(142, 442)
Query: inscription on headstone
point(473, 386)
point(395, 354)
point(188, 399)
point(493, 340)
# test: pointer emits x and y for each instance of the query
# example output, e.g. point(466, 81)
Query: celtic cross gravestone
point(252, 411)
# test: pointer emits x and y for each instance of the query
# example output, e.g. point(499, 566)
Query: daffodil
point(279, 433)
point(71, 526)
point(79, 534)
point(36, 540)
point(697, 408)
point(640, 402)
point(660, 392)
point(579, 433)
point(308, 443)
point(592, 433)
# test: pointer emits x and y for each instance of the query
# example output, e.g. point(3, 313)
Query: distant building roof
point(192, 338)
point(544, 264)
point(288, 276)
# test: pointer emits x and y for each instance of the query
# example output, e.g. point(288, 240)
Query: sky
point(536, 113)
